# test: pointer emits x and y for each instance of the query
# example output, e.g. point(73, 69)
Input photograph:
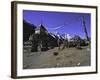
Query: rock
point(78, 64)
point(55, 53)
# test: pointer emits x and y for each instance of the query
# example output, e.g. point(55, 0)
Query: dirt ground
point(68, 57)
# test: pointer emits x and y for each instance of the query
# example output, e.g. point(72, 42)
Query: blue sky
point(62, 22)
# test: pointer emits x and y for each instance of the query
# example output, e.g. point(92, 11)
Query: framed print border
point(14, 38)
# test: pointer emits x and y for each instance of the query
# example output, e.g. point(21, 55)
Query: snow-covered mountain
point(61, 36)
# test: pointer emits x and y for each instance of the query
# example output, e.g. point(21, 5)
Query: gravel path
point(68, 57)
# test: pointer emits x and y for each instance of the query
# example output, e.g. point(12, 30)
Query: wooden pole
point(84, 28)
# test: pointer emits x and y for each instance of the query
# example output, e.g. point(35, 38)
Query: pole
point(84, 28)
